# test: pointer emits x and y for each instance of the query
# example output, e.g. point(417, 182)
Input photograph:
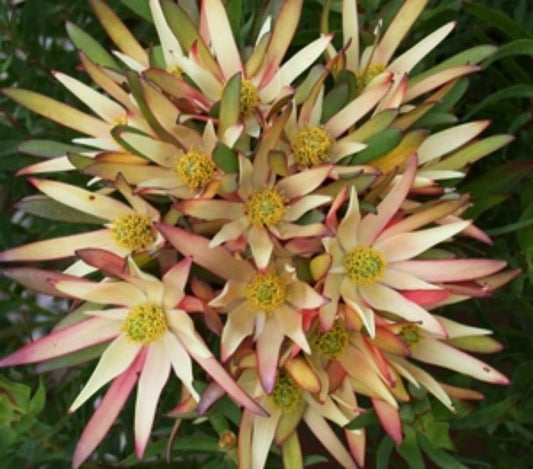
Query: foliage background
point(35, 430)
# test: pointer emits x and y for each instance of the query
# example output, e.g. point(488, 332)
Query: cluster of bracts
point(305, 194)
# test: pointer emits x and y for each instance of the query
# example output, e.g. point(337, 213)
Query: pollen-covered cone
point(148, 334)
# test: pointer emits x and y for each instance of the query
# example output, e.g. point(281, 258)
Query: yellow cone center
point(266, 291)
point(286, 394)
point(364, 265)
point(122, 120)
point(227, 440)
point(176, 70)
point(249, 99)
point(145, 323)
point(265, 207)
point(333, 342)
point(196, 169)
point(310, 146)
point(410, 334)
point(133, 231)
point(365, 76)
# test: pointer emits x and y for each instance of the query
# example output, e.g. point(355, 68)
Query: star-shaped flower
point(369, 260)
point(149, 334)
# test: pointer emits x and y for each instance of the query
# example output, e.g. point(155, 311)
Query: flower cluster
point(304, 186)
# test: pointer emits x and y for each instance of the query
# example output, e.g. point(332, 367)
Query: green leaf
point(491, 414)
point(229, 105)
point(525, 237)
point(119, 130)
point(498, 20)
point(38, 400)
point(434, 119)
point(140, 7)
point(518, 47)
point(373, 126)
point(18, 394)
point(348, 77)
point(364, 420)
point(196, 444)
point(487, 202)
point(437, 433)
point(48, 148)
point(453, 96)
point(513, 91)
point(157, 58)
point(384, 453)
point(73, 359)
point(407, 413)
point(499, 178)
point(80, 161)
point(476, 343)
point(335, 100)
point(185, 31)
point(234, 11)
point(520, 225)
point(24, 423)
point(302, 269)
point(410, 451)
point(50, 209)
point(378, 145)
point(519, 121)
point(219, 422)
point(311, 459)
point(9, 147)
point(7, 437)
point(421, 404)
point(473, 152)
point(472, 56)
point(228, 408)
point(90, 47)
point(137, 92)
point(439, 457)
point(292, 452)
point(225, 158)
point(311, 216)
point(15, 162)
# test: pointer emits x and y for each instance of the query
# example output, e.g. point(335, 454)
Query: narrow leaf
point(48, 148)
point(378, 145)
point(225, 158)
point(90, 47)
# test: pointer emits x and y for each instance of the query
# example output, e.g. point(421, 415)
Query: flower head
point(129, 228)
point(263, 79)
point(267, 304)
point(293, 400)
point(369, 259)
point(148, 333)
